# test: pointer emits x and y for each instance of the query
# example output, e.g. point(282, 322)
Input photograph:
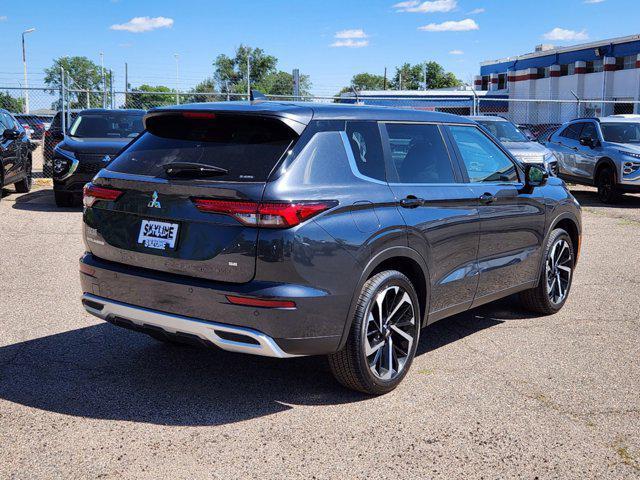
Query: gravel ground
point(493, 393)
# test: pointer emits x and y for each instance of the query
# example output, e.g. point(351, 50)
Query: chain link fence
point(51, 111)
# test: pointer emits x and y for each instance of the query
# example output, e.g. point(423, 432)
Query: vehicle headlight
point(61, 165)
point(630, 167)
point(62, 161)
point(630, 154)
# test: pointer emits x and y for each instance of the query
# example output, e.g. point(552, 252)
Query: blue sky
point(329, 40)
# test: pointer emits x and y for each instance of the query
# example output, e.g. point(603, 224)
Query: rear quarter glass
point(248, 147)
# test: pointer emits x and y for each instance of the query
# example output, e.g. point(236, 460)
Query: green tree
point(81, 74)
point(412, 77)
point(196, 94)
point(367, 81)
point(148, 96)
point(281, 83)
point(231, 73)
point(10, 103)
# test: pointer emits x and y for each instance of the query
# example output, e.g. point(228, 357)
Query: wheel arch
point(602, 163)
point(568, 222)
point(406, 261)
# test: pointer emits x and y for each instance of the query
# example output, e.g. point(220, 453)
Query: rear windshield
point(107, 125)
point(248, 147)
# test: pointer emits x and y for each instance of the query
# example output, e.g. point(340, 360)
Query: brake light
point(200, 115)
point(261, 303)
point(268, 214)
point(92, 193)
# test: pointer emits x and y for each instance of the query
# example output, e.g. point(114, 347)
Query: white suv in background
point(518, 144)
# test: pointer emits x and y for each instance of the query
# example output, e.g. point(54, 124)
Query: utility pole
point(425, 76)
point(248, 75)
point(24, 64)
point(384, 84)
point(176, 56)
point(296, 84)
point(104, 81)
point(126, 83)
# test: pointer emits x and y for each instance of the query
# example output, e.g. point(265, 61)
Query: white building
point(593, 72)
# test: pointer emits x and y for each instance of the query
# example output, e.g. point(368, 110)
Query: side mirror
point(534, 176)
point(11, 134)
point(588, 142)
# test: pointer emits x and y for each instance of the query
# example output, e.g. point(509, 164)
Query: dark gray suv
point(286, 229)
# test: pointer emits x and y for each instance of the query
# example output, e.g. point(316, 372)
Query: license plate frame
point(158, 235)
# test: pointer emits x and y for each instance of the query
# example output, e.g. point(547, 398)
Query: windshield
point(621, 132)
point(107, 125)
point(503, 131)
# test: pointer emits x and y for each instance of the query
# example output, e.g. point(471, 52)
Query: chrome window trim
point(352, 161)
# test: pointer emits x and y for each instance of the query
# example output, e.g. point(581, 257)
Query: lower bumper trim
point(226, 337)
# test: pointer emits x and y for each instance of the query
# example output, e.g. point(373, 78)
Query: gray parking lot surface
point(493, 393)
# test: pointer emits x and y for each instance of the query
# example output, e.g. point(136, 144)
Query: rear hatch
point(161, 203)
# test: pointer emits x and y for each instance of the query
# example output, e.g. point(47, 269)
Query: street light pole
point(176, 56)
point(24, 64)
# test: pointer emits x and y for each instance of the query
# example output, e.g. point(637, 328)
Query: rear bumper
point(227, 337)
point(200, 307)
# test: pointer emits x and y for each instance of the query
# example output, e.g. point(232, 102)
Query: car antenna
point(257, 95)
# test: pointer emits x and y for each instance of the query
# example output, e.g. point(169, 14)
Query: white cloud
point(352, 38)
point(144, 24)
point(561, 34)
point(125, 45)
point(593, 1)
point(476, 11)
point(414, 6)
point(456, 52)
point(354, 33)
point(451, 26)
point(3, 18)
point(350, 43)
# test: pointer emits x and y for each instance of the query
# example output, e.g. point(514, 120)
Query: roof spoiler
point(257, 95)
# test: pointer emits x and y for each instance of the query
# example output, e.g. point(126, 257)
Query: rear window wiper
point(193, 169)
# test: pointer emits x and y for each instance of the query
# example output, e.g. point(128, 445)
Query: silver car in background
point(518, 144)
point(604, 152)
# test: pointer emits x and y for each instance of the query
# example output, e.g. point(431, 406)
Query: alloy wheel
point(605, 185)
point(389, 332)
point(558, 271)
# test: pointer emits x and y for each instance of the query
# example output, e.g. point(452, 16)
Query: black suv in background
point(53, 136)
point(15, 154)
point(93, 140)
point(286, 229)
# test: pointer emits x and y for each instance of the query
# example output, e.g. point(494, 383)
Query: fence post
point(62, 102)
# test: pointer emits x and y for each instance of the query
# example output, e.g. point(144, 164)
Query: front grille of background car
point(91, 163)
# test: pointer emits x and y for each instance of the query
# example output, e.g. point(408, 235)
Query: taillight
point(267, 214)
point(260, 302)
point(93, 193)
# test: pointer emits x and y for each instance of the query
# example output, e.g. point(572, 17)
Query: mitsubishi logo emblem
point(154, 203)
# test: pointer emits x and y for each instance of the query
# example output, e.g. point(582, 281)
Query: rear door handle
point(487, 198)
point(411, 202)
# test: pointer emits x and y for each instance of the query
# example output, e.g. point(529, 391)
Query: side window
point(419, 154)
point(589, 131)
point(572, 132)
point(366, 145)
point(484, 161)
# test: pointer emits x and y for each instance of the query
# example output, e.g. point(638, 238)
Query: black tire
point(606, 183)
point(540, 299)
point(24, 185)
point(64, 199)
point(350, 366)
